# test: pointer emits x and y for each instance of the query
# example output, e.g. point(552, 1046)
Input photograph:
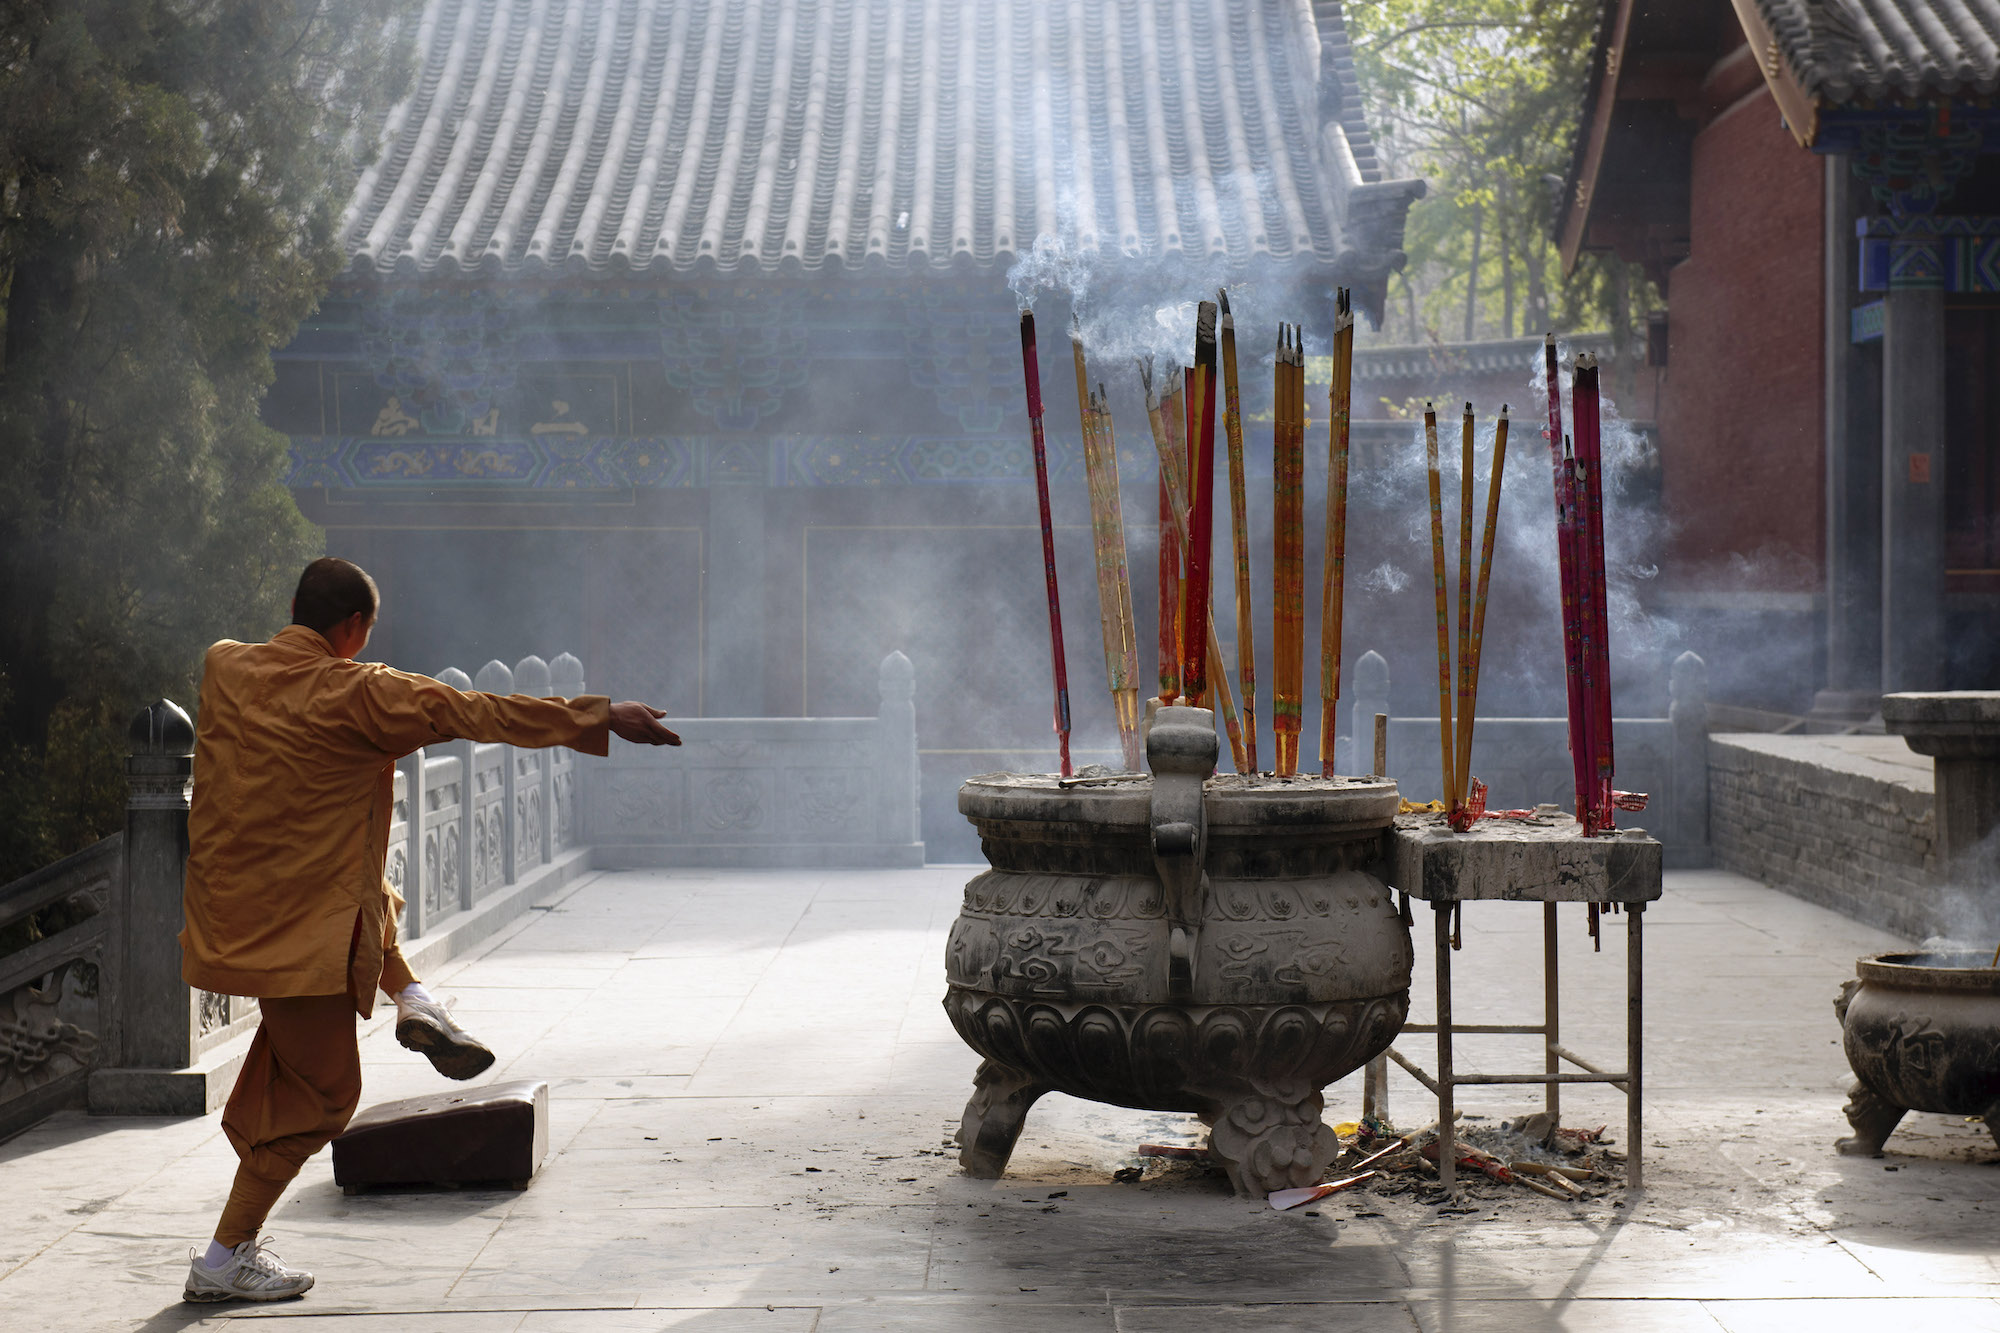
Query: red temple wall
point(1742, 404)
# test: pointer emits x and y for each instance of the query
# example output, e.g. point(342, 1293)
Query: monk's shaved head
point(330, 591)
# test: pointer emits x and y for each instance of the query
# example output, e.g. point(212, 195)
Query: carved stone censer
point(1176, 943)
point(1922, 1033)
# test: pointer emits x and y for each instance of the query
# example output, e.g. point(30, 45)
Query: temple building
point(679, 334)
point(1810, 183)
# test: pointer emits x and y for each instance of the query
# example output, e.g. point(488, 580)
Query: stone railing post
point(496, 677)
point(1687, 714)
point(566, 680)
point(896, 816)
point(1371, 696)
point(533, 678)
point(458, 680)
point(162, 1015)
point(157, 1066)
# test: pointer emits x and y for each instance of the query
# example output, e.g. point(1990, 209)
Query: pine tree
point(171, 181)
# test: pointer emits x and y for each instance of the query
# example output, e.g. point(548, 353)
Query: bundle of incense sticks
point(1114, 580)
point(1163, 413)
point(1174, 485)
point(1031, 371)
point(1201, 511)
point(1246, 644)
point(1592, 601)
point(1334, 584)
point(1465, 799)
point(1288, 542)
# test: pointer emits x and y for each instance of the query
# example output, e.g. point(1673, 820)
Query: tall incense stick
point(1487, 569)
point(1201, 510)
point(1107, 530)
point(1469, 704)
point(1288, 534)
point(1160, 410)
point(1246, 642)
point(1461, 768)
point(1031, 370)
point(1443, 614)
point(1565, 487)
point(1592, 594)
point(1333, 591)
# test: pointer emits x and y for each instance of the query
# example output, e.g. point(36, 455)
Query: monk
point(285, 900)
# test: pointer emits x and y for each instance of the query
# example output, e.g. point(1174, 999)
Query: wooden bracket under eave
point(1799, 107)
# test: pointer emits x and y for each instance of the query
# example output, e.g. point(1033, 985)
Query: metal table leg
point(1551, 1009)
point(1447, 1138)
point(1635, 1027)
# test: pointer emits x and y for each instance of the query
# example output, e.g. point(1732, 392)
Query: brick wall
point(1741, 408)
point(1840, 830)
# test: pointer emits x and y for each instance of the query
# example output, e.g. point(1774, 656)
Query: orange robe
point(294, 775)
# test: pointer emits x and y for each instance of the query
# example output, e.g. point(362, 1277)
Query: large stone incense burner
point(1177, 942)
point(1922, 1033)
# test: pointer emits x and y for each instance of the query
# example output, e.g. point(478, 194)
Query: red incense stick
point(1592, 594)
point(1031, 369)
point(1201, 511)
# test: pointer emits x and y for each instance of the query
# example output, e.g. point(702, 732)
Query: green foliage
point(171, 179)
point(1483, 99)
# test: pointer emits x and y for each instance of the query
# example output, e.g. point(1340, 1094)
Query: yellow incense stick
point(1443, 615)
point(1163, 415)
point(1471, 704)
point(1107, 525)
point(1232, 424)
point(1333, 590)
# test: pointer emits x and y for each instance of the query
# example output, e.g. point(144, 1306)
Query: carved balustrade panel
point(56, 1006)
point(488, 824)
point(444, 789)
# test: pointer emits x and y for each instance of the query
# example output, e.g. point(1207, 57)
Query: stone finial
point(531, 676)
point(897, 679)
point(455, 678)
point(1371, 675)
point(162, 727)
point(1688, 681)
point(494, 678)
point(566, 676)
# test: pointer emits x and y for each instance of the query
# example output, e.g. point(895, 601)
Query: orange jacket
point(294, 774)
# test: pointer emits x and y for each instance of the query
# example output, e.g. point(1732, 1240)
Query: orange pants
point(297, 1090)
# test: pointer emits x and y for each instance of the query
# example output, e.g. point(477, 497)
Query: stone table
point(1960, 731)
point(1548, 860)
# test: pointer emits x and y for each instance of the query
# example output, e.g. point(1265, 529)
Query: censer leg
point(1001, 1099)
point(1873, 1120)
point(1270, 1137)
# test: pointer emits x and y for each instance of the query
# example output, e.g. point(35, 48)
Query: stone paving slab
point(754, 1094)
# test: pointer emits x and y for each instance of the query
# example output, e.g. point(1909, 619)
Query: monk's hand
point(638, 723)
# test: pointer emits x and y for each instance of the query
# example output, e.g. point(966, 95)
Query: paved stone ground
point(755, 1089)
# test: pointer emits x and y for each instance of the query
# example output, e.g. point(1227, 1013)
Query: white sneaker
point(424, 1026)
point(253, 1273)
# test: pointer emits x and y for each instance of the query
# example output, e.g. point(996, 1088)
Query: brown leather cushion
point(495, 1133)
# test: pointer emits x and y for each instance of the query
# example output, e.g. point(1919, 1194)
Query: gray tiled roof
point(611, 136)
point(1852, 50)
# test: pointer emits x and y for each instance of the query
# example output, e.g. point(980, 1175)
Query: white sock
point(414, 993)
point(218, 1255)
